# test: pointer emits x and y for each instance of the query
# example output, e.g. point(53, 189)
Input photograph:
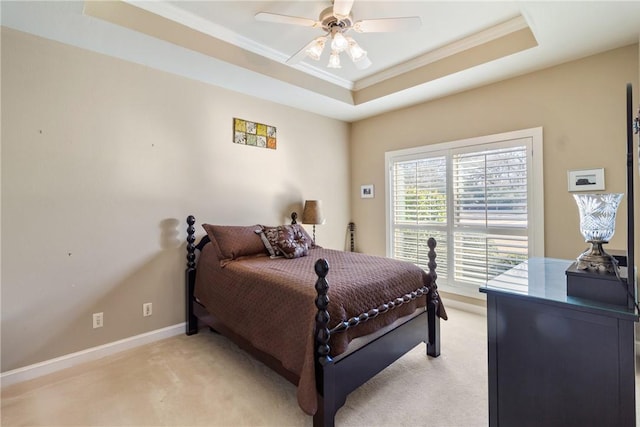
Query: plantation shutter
point(474, 200)
point(420, 209)
point(490, 212)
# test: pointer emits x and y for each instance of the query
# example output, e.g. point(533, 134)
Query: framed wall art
point(366, 191)
point(586, 179)
point(246, 132)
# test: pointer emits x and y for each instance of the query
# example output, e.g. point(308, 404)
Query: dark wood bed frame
point(334, 379)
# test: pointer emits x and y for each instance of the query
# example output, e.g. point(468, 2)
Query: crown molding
point(492, 33)
point(188, 19)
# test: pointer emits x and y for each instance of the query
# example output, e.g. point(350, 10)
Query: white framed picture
point(586, 179)
point(366, 191)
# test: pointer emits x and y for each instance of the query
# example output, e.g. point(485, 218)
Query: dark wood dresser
point(556, 360)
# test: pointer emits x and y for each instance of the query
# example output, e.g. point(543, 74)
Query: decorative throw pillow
point(292, 242)
point(235, 241)
point(269, 237)
point(312, 244)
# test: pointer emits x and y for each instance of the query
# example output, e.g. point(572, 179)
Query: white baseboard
point(94, 353)
point(471, 308)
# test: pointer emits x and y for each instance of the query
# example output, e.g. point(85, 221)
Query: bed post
point(323, 363)
point(190, 276)
point(433, 301)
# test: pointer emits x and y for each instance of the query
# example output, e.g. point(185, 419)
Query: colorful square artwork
point(252, 133)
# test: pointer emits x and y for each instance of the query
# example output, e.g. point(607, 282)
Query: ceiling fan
point(337, 21)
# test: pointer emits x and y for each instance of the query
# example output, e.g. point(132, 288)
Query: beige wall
point(581, 106)
point(102, 160)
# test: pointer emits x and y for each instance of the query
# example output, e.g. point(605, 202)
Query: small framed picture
point(586, 179)
point(366, 191)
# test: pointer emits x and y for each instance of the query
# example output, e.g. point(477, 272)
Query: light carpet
point(205, 380)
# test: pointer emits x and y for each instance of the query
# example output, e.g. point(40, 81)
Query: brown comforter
point(270, 302)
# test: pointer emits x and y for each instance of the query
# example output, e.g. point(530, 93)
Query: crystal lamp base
point(596, 259)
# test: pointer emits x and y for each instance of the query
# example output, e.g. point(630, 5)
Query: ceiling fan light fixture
point(355, 51)
point(339, 42)
point(315, 50)
point(336, 21)
point(334, 60)
point(363, 64)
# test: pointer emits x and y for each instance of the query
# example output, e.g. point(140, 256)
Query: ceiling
point(460, 45)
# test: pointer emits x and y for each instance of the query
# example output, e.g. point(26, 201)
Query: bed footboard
point(323, 333)
point(433, 303)
point(357, 368)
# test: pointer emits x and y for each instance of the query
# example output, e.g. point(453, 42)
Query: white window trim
point(535, 189)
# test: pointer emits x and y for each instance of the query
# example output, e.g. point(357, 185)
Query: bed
point(326, 320)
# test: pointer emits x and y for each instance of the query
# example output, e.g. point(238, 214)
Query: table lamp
point(312, 214)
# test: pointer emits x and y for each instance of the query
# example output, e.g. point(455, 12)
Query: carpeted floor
point(204, 380)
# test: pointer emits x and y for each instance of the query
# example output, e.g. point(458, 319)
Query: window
point(481, 199)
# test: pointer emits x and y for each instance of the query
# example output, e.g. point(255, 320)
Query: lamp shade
point(339, 42)
point(334, 60)
point(315, 49)
point(355, 51)
point(312, 213)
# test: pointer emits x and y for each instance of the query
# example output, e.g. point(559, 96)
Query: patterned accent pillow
point(292, 242)
point(312, 244)
point(269, 237)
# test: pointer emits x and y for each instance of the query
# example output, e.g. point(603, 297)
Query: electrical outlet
point(147, 309)
point(97, 320)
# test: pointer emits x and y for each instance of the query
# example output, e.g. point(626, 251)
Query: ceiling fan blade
point(342, 8)
point(386, 25)
point(284, 19)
